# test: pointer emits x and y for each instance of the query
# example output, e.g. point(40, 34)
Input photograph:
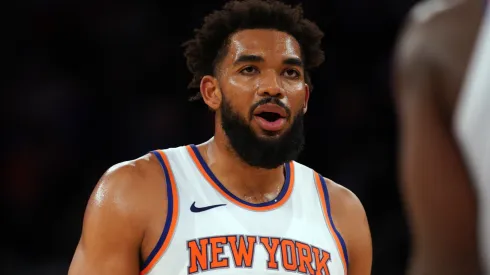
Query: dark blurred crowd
point(93, 83)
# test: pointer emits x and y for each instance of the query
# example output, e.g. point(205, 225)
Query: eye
point(249, 70)
point(291, 73)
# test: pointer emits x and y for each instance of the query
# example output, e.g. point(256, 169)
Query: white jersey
point(209, 230)
point(472, 126)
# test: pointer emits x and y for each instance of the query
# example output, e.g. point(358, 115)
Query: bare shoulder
point(428, 16)
point(433, 12)
point(129, 182)
point(117, 217)
point(140, 172)
point(344, 202)
point(434, 26)
point(432, 53)
point(126, 191)
point(424, 31)
point(351, 221)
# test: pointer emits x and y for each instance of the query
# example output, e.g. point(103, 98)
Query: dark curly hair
point(210, 43)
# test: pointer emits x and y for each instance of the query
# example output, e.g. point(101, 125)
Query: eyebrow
point(294, 61)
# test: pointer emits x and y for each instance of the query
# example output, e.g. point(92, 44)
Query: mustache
point(267, 100)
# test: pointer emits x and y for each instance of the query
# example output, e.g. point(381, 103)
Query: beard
point(262, 152)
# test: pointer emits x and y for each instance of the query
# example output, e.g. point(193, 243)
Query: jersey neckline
point(281, 198)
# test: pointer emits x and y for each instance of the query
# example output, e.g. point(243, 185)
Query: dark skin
point(128, 192)
point(431, 60)
point(262, 73)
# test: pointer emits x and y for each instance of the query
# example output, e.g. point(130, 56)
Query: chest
point(231, 240)
point(215, 232)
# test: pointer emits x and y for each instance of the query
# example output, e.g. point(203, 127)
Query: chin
point(266, 135)
point(269, 135)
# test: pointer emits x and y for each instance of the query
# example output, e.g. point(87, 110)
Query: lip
point(271, 108)
point(270, 126)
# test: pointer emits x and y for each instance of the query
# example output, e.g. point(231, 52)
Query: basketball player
point(238, 203)
point(443, 96)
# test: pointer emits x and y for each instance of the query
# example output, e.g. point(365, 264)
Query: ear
point(307, 97)
point(210, 92)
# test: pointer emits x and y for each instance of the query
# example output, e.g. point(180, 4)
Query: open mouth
point(269, 116)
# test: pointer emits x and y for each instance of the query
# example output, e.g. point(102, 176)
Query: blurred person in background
point(442, 79)
point(238, 200)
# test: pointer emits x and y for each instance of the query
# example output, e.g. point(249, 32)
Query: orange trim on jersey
point(211, 178)
point(329, 223)
point(173, 199)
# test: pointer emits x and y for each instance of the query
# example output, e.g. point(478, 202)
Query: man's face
point(262, 97)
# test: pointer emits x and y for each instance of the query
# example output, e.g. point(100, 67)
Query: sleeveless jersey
point(472, 127)
point(209, 230)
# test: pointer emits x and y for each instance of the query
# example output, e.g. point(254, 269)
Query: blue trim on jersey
point(170, 212)
point(327, 200)
point(279, 197)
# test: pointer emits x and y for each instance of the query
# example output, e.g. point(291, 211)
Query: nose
point(270, 85)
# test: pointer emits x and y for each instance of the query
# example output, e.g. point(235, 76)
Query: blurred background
point(93, 83)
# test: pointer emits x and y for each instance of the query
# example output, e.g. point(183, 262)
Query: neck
point(252, 184)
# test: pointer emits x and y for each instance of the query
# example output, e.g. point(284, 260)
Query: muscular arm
point(435, 187)
point(351, 221)
point(113, 226)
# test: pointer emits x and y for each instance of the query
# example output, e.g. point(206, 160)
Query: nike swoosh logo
point(196, 209)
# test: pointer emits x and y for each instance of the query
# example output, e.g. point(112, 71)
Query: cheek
point(294, 86)
point(238, 84)
point(239, 91)
point(237, 98)
point(296, 94)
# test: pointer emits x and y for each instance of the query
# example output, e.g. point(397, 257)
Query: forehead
point(263, 42)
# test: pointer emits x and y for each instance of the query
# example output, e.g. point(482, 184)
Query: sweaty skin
point(431, 60)
point(126, 212)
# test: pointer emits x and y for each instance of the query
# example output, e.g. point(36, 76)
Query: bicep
point(90, 260)
point(351, 220)
point(110, 240)
point(434, 183)
point(359, 241)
